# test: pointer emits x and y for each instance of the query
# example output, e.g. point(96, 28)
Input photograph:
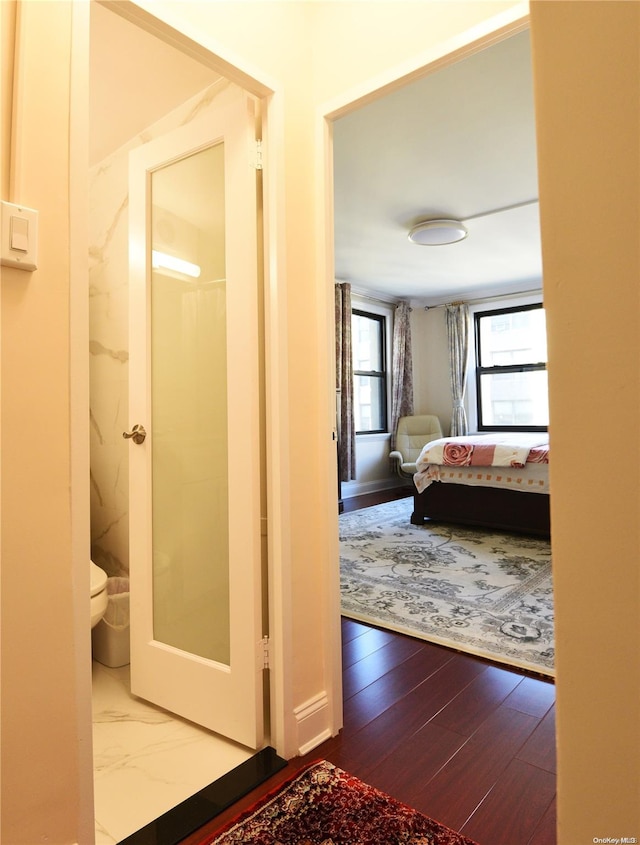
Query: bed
point(491, 480)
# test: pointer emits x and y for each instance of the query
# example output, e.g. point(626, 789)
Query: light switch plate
point(19, 237)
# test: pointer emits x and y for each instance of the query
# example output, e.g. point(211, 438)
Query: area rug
point(479, 591)
point(324, 805)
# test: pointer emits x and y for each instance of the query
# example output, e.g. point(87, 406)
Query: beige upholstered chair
point(412, 434)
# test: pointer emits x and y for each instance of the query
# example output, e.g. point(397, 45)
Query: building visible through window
point(511, 369)
point(369, 372)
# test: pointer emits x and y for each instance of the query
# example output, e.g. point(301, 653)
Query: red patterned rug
point(324, 805)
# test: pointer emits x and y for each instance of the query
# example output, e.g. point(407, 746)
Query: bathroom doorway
point(141, 91)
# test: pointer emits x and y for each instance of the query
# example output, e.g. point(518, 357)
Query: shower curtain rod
point(484, 299)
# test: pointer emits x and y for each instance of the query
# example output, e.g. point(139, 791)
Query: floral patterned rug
point(479, 591)
point(324, 805)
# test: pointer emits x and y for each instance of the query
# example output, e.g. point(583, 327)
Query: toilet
point(98, 593)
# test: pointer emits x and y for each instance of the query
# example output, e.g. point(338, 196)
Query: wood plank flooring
point(469, 743)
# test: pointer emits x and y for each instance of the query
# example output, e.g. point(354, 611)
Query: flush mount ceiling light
point(438, 232)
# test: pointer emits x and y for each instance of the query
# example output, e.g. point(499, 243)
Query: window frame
point(501, 368)
point(382, 374)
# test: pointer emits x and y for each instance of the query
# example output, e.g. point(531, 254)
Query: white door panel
point(196, 599)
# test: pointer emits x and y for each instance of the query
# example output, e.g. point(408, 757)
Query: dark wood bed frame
point(489, 507)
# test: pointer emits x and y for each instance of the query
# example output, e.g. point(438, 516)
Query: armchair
point(411, 435)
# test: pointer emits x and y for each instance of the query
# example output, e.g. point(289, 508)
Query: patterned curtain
point(458, 332)
point(402, 369)
point(344, 384)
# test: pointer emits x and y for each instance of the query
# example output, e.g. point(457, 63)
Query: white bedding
point(532, 478)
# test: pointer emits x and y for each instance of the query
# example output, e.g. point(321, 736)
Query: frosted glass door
point(195, 545)
point(189, 406)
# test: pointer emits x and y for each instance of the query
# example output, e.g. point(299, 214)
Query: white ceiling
point(459, 143)
point(125, 65)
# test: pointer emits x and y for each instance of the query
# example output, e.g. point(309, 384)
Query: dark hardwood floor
point(467, 742)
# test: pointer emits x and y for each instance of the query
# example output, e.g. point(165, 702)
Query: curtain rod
point(395, 302)
point(485, 298)
point(355, 291)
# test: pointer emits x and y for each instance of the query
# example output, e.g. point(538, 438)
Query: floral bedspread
point(486, 450)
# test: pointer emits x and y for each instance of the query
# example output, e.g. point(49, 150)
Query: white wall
point(586, 59)
point(47, 783)
point(432, 390)
point(373, 468)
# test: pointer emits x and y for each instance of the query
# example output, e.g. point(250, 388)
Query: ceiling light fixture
point(438, 232)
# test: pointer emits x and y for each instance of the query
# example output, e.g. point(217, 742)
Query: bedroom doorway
point(395, 117)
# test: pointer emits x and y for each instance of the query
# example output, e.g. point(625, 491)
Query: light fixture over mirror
point(438, 232)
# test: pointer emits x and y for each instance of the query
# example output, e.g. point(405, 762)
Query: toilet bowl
point(99, 598)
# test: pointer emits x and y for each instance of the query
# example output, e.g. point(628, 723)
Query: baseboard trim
point(360, 488)
point(312, 720)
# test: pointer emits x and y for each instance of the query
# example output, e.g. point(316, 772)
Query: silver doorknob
point(137, 434)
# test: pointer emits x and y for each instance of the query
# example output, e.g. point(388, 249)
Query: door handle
point(137, 434)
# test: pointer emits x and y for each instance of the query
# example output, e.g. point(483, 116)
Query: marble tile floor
point(146, 760)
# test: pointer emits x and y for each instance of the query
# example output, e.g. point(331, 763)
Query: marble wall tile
point(108, 365)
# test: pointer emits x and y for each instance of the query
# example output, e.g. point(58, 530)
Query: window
point(369, 375)
point(511, 369)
